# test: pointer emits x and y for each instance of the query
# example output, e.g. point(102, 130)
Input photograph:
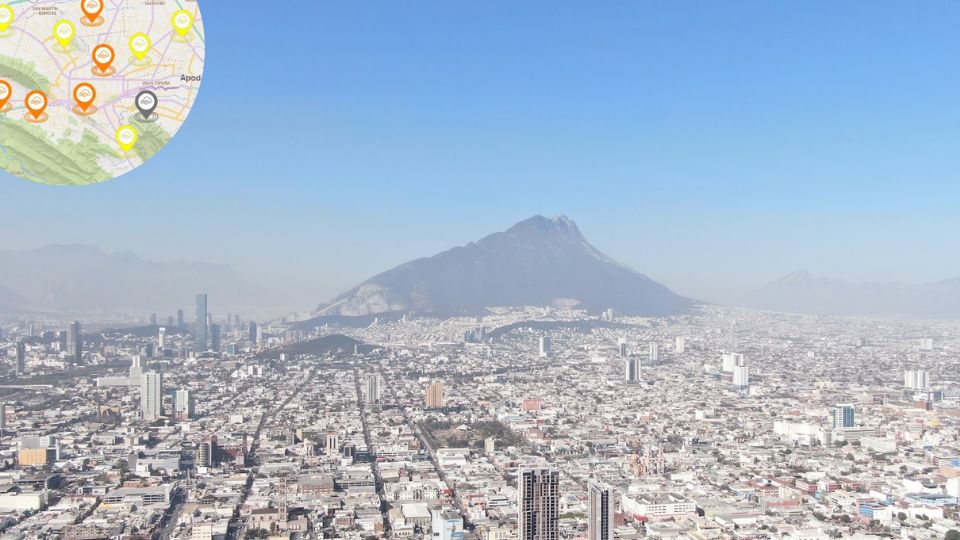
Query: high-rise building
point(183, 404)
point(622, 348)
point(136, 371)
point(631, 371)
point(729, 361)
point(21, 358)
point(545, 346)
point(161, 337)
point(181, 324)
point(151, 395)
point(373, 388)
point(844, 416)
point(332, 443)
point(207, 452)
point(539, 504)
point(916, 379)
point(741, 373)
point(75, 342)
point(601, 523)
point(654, 350)
point(446, 524)
point(153, 319)
point(252, 332)
point(435, 395)
point(201, 332)
point(215, 337)
point(680, 345)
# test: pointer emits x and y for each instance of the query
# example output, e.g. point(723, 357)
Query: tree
point(952, 534)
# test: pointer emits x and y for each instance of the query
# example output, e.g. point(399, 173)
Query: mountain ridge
point(84, 278)
point(801, 292)
point(536, 262)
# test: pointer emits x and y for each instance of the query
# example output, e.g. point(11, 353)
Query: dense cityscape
point(529, 423)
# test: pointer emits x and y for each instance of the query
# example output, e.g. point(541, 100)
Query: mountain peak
point(538, 262)
point(540, 225)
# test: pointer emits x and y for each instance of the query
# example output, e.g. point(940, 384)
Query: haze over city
point(479, 271)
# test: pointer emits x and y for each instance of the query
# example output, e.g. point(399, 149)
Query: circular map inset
point(91, 89)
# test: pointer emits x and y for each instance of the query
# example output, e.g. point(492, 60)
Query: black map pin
point(147, 103)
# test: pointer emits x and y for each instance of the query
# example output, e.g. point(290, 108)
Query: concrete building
point(600, 522)
point(539, 504)
point(435, 395)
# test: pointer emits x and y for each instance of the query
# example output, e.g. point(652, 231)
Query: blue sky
point(712, 145)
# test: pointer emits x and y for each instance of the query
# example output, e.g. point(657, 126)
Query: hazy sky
point(712, 145)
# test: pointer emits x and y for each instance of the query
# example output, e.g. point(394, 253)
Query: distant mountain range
point(537, 262)
point(802, 293)
point(75, 278)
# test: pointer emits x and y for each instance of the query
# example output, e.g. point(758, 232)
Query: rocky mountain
point(75, 278)
point(537, 262)
point(802, 293)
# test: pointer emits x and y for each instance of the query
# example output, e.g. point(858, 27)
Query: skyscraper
point(181, 325)
point(151, 395)
point(215, 337)
point(545, 346)
point(631, 372)
point(183, 404)
point(252, 332)
point(161, 338)
point(916, 379)
point(435, 395)
point(601, 523)
point(654, 351)
point(539, 504)
point(201, 334)
point(844, 416)
point(680, 346)
point(373, 388)
point(75, 342)
point(741, 373)
point(21, 358)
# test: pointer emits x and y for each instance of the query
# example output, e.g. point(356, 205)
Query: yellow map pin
point(140, 45)
point(6, 17)
point(63, 31)
point(182, 22)
point(127, 137)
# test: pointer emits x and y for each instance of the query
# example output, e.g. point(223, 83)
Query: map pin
point(147, 103)
point(36, 103)
point(103, 56)
point(6, 17)
point(127, 137)
point(5, 92)
point(92, 9)
point(182, 22)
point(84, 93)
point(64, 31)
point(140, 45)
